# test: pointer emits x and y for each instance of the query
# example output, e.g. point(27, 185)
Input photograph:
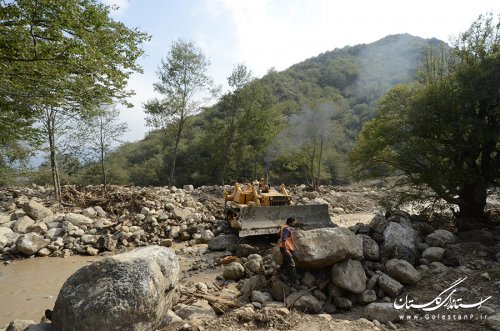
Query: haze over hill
point(349, 81)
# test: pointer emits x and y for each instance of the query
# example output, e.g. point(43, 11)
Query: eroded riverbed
point(28, 287)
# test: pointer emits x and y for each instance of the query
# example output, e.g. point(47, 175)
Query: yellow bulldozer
point(256, 209)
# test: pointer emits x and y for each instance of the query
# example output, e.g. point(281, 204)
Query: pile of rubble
point(94, 219)
point(118, 219)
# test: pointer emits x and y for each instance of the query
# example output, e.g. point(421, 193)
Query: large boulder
point(36, 210)
point(400, 242)
point(130, 291)
point(78, 220)
point(30, 243)
point(350, 276)
point(326, 246)
point(402, 271)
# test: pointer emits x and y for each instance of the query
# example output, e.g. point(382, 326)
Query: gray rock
point(378, 223)
point(88, 239)
point(224, 242)
point(342, 303)
point(493, 322)
point(78, 220)
point(181, 214)
point(40, 228)
point(200, 309)
point(305, 302)
point(261, 297)
point(8, 239)
point(487, 310)
point(446, 236)
point(402, 271)
point(40, 327)
point(371, 250)
point(36, 210)
point(244, 250)
point(4, 219)
point(30, 243)
point(335, 291)
point(438, 267)
point(254, 266)
point(368, 296)
point(19, 325)
point(350, 276)
point(107, 243)
point(130, 291)
point(372, 282)
point(422, 246)
point(5, 230)
point(434, 240)
point(326, 246)
point(188, 188)
point(22, 224)
point(234, 271)
point(400, 242)
point(279, 290)
point(89, 212)
point(389, 285)
point(100, 212)
point(308, 279)
point(383, 312)
point(432, 254)
point(206, 236)
point(170, 317)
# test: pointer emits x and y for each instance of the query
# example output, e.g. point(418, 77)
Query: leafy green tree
point(61, 55)
point(443, 132)
point(183, 82)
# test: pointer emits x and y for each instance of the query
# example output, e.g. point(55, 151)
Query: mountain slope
point(350, 79)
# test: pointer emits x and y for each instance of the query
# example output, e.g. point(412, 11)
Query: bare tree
point(99, 134)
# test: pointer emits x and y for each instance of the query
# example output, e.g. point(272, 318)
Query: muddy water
point(28, 287)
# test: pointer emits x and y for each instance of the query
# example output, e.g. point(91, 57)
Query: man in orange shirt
point(287, 249)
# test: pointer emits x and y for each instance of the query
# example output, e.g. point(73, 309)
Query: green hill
point(265, 134)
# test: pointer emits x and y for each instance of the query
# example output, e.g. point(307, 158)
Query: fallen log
point(213, 299)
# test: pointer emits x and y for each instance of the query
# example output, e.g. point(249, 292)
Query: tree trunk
point(50, 126)
point(174, 157)
point(472, 200)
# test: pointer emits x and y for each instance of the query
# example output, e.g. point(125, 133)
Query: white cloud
point(279, 33)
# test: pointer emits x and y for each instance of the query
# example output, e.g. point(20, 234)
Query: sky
point(265, 34)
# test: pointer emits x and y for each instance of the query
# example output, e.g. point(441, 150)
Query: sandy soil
point(28, 287)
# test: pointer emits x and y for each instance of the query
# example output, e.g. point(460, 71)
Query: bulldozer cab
point(250, 211)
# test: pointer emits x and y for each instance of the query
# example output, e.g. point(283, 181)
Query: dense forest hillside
point(299, 124)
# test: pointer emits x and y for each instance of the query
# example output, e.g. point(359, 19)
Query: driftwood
point(213, 299)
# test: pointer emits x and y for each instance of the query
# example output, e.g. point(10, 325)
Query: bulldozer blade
point(267, 220)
